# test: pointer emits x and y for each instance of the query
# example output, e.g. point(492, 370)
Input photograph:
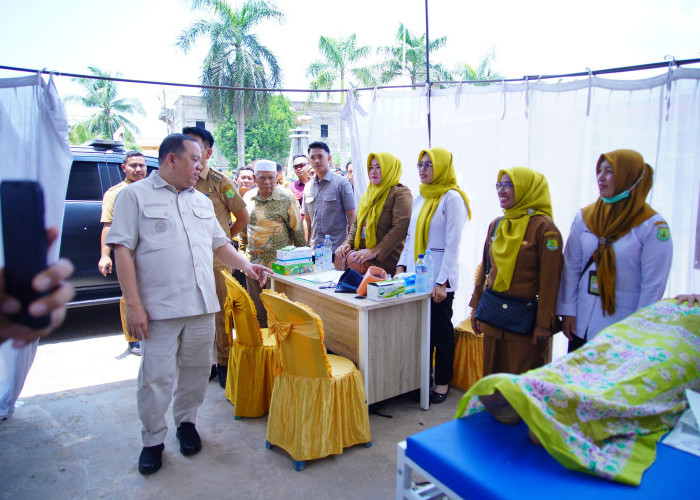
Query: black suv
point(95, 169)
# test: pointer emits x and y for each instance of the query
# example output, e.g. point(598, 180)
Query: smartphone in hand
point(25, 245)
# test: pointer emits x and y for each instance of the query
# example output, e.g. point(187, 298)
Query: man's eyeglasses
point(300, 165)
point(506, 186)
point(424, 166)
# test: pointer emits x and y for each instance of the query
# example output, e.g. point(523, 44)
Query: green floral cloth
point(602, 409)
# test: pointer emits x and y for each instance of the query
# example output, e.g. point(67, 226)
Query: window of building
point(199, 124)
point(324, 130)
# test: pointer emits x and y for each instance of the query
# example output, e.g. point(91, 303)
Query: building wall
point(188, 110)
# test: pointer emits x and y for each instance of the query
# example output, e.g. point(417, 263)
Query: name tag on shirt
point(309, 199)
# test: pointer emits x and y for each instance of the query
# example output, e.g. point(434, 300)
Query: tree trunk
point(240, 138)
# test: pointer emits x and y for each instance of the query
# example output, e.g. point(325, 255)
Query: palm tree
point(407, 58)
point(235, 59)
point(103, 95)
point(341, 56)
point(483, 72)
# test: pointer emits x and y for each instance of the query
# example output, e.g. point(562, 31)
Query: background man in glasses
point(301, 169)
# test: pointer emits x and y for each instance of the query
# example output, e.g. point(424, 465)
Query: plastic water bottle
point(422, 284)
point(430, 264)
point(327, 253)
point(318, 261)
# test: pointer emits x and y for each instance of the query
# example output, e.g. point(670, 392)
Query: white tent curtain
point(559, 129)
point(34, 145)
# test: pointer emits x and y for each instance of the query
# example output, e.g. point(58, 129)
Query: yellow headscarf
point(531, 198)
point(372, 200)
point(444, 179)
point(611, 221)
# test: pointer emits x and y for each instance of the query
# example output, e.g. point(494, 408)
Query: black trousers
point(576, 343)
point(442, 338)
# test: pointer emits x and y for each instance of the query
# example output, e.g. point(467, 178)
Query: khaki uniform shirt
point(172, 235)
point(109, 199)
point(392, 227)
point(536, 274)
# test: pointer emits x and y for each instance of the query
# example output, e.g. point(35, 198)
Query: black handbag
point(504, 311)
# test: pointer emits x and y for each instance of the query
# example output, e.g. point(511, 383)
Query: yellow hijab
point(372, 200)
point(444, 179)
point(610, 221)
point(531, 198)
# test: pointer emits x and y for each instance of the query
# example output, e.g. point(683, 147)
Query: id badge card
point(593, 283)
point(364, 230)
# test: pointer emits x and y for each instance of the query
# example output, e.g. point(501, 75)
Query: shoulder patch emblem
point(663, 234)
point(229, 192)
point(661, 223)
point(552, 244)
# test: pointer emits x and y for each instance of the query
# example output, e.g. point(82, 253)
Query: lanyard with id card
point(593, 283)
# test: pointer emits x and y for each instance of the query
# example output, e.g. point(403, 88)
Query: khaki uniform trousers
point(222, 340)
point(175, 364)
point(122, 315)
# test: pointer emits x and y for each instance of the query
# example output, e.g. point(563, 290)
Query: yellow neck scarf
point(531, 198)
point(444, 179)
point(372, 200)
point(610, 221)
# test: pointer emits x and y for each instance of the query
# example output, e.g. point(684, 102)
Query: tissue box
point(294, 254)
point(409, 279)
point(383, 290)
point(293, 268)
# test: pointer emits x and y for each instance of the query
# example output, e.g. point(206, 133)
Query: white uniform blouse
point(642, 262)
point(444, 236)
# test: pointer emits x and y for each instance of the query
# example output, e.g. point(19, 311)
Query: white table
point(389, 341)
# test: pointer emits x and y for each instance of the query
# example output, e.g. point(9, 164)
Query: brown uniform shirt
point(224, 196)
point(537, 270)
point(392, 228)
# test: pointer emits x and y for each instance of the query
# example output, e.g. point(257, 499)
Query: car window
point(84, 182)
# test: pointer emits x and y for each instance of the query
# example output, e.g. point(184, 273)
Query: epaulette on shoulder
point(216, 175)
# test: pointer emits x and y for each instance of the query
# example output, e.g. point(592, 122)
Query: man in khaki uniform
point(165, 236)
point(134, 168)
point(220, 190)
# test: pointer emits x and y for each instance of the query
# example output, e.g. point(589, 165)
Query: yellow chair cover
point(469, 356)
point(253, 361)
point(318, 402)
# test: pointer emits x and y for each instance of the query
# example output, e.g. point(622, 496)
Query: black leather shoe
point(436, 398)
point(213, 373)
point(221, 371)
point(151, 459)
point(190, 442)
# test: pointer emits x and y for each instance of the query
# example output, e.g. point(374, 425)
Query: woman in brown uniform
point(524, 252)
point(380, 228)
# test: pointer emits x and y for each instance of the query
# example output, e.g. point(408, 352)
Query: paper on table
point(686, 434)
point(323, 277)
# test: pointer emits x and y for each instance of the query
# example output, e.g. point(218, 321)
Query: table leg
point(425, 355)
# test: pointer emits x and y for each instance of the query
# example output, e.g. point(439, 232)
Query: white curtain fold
point(559, 129)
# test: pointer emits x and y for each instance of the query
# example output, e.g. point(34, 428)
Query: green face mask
point(624, 194)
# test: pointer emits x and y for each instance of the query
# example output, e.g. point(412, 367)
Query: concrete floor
point(76, 434)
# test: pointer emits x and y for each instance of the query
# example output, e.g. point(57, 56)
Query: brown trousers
point(222, 341)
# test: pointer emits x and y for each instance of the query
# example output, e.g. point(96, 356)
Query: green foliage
point(236, 58)
point(340, 58)
point(266, 136)
point(409, 47)
point(111, 110)
point(483, 72)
